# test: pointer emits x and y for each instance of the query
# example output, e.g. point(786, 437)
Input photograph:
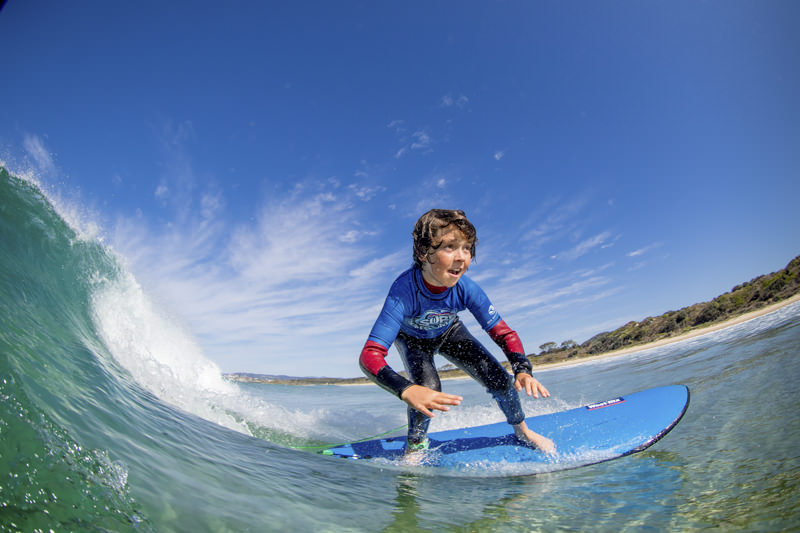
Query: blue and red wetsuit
point(421, 321)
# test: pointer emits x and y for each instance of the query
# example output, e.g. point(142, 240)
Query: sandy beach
point(671, 340)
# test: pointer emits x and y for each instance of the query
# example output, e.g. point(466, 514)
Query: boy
point(420, 317)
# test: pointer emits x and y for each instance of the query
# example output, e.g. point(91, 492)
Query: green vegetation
point(750, 296)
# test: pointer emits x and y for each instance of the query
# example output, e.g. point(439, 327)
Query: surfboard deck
point(590, 434)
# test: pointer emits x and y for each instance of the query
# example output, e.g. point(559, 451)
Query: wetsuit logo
point(432, 320)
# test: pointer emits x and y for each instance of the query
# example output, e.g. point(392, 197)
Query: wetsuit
point(421, 321)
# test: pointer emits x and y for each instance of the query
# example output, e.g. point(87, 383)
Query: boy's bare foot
point(540, 441)
point(415, 453)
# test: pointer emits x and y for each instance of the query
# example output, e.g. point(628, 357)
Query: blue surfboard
point(590, 434)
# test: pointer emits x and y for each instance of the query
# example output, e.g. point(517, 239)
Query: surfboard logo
point(599, 405)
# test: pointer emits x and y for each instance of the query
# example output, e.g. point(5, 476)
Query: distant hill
point(744, 298)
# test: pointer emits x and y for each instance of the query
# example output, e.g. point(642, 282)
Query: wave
point(91, 366)
point(49, 370)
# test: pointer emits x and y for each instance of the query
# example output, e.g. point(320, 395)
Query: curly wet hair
point(430, 226)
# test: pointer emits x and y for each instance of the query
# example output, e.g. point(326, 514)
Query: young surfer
point(420, 317)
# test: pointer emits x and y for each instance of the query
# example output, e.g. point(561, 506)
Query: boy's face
point(451, 259)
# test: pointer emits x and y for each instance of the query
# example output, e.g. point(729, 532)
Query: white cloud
point(449, 100)
point(162, 191)
point(354, 236)
point(526, 298)
point(583, 247)
point(211, 204)
point(642, 251)
point(36, 149)
point(176, 188)
point(390, 264)
point(499, 154)
point(552, 220)
point(364, 192)
point(272, 295)
point(422, 140)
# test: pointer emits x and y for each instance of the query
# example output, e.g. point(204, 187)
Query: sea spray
point(158, 354)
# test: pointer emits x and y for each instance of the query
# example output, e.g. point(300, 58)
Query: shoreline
point(746, 317)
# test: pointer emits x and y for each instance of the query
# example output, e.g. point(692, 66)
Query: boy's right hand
point(424, 399)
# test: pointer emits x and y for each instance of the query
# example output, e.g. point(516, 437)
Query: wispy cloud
point(380, 267)
point(644, 250)
point(396, 125)
point(583, 247)
point(449, 100)
point(273, 296)
point(34, 146)
point(528, 303)
point(420, 141)
point(178, 181)
point(552, 219)
point(364, 192)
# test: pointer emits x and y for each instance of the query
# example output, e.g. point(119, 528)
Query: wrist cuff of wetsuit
point(520, 364)
point(393, 381)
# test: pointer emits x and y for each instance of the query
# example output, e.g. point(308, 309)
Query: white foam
point(156, 352)
point(164, 358)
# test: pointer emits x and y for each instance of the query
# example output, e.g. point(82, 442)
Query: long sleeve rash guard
point(415, 310)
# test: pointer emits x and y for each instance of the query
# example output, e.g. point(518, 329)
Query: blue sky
point(260, 165)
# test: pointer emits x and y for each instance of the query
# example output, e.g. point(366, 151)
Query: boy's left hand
point(531, 386)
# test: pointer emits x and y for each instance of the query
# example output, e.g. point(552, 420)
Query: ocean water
point(112, 419)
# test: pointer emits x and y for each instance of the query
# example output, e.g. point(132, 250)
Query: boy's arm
point(373, 364)
point(508, 340)
point(423, 399)
point(373, 356)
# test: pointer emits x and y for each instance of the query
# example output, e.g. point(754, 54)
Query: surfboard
point(590, 434)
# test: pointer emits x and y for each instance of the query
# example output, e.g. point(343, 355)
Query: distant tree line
point(749, 296)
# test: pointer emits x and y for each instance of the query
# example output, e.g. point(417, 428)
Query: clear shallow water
point(112, 419)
